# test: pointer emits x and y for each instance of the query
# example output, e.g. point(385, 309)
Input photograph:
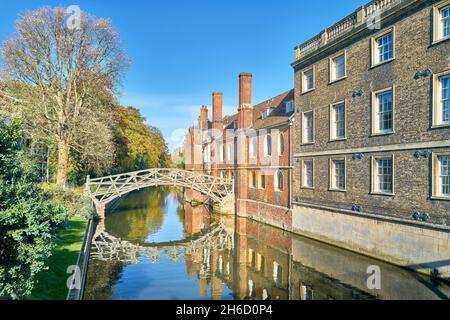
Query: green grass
point(51, 283)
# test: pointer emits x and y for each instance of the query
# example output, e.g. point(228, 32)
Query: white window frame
point(252, 179)
point(262, 177)
point(375, 190)
point(229, 148)
point(266, 145)
point(222, 153)
point(332, 176)
point(437, 22)
point(281, 144)
point(332, 67)
point(290, 106)
point(333, 135)
point(437, 101)
point(303, 170)
point(436, 176)
point(304, 86)
point(304, 128)
point(375, 61)
point(253, 147)
point(376, 131)
point(207, 154)
point(276, 182)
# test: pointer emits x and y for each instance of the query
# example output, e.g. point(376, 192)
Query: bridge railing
point(106, 189)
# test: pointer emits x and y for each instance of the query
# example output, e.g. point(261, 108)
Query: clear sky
point(182, 50)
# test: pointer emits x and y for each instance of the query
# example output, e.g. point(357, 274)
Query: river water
point(153, 246)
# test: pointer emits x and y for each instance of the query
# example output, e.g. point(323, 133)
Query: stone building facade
point(252, 148)
point(367, 137)
point(372, 132)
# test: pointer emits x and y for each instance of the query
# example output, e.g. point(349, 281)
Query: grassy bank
point(51, 283)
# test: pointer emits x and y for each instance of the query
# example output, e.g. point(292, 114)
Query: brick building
point(252, 147)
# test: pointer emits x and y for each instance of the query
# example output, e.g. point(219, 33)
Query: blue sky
point(181, 51)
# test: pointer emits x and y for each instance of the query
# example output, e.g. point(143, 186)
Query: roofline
point(357, 22)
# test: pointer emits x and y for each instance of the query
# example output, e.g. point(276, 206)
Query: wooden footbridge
point(104, 191)
point(106, 247)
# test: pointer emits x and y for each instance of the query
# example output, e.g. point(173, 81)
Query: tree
point(138, 146)
point(64, 81)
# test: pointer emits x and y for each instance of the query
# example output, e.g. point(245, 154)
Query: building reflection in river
point(268, 263)
point(256, 262)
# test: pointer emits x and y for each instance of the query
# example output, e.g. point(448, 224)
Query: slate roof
point(276, 117)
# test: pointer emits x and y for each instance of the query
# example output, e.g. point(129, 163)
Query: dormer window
point(290, 106)
point(267, 113)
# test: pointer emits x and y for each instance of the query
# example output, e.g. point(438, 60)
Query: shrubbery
point(28, 218)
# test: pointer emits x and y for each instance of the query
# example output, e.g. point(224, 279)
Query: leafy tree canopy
point(138, 146)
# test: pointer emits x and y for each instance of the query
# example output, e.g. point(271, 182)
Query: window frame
point(331, 176)
point(281, 144)
point(229, 148)
point(291, 103)
point(303, 175)
point(303, 79)
point(374, 47)
point(266, 145)
point(437, 27)
point(374, 179)
point(437, 108)
point(436, 187)
point(253, 148)
point(252, 181)
point(374, 126)
point(331, 74)
point(261, 178)
point(331, 121)
point(304, 142)
point(277, 182)
point(221, 153)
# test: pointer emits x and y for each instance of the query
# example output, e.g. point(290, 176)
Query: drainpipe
point(291, 153)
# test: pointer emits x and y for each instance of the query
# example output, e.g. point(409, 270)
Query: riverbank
point(51, 283)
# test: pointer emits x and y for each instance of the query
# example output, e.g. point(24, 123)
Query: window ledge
point(439, 41)
point(440, 126)
point(308, 188)
point(337, 140)
point(307, 143)
point(337, 190)
point(373, 66)
point(442, 198)
point(386, 194)
point(308, 91)
point(337, 80)
point(380, 134)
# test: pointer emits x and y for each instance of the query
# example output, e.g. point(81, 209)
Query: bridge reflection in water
point(154, 247)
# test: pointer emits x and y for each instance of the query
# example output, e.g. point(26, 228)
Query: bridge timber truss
point(106, 247)
point(107, 189)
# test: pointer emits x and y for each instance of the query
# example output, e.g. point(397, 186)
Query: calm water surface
point(152, 246)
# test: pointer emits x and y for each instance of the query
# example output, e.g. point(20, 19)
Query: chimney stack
point(203, 123)
point(217, 103)
point(245, 111)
